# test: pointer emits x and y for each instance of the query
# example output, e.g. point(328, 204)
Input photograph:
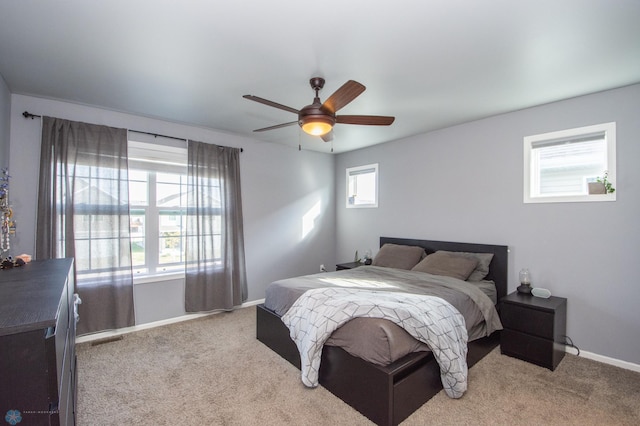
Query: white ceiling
point(430, 63)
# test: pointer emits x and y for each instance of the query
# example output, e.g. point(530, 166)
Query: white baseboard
point(111, 333)
point(605, 359)
point(126, 330)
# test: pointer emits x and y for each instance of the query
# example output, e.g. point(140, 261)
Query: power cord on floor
point(569, 343)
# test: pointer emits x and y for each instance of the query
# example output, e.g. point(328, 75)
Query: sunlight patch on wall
point(309, 219)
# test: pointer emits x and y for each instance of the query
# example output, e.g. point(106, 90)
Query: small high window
point(559, 166)
point(362, 186)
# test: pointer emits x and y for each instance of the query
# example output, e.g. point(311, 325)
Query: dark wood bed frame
point(386, 394)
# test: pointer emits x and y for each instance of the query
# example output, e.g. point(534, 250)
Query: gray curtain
point(83, 212)
point(215, 266)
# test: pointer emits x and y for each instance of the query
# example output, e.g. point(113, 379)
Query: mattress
point(380, 341)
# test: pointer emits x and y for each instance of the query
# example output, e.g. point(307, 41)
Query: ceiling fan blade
point(341, 97)
point(271, 103)
point(327, 137)
point(369, 120)
point(277, 126)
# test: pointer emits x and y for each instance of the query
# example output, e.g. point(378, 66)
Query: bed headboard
point(498, 269)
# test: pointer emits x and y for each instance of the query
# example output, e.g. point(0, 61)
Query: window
point(362, 186)
point(559, 165)
point(96, 220)
point(157, 199)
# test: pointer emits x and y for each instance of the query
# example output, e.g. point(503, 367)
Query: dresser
point(534, 328)
point(37, 343)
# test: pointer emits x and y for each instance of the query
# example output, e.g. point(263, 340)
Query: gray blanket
point(319, 312)
point(475, 306)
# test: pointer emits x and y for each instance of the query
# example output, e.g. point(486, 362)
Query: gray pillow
point(484, 259)
point(398, 256)
point(449, 265)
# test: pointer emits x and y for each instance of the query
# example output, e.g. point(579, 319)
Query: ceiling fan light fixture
point(319, 118)
point(317, 128)
point(317, 125)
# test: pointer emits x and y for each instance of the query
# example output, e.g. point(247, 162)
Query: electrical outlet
point(322, 268)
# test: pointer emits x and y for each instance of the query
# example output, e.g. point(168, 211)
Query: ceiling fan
point(318, 118)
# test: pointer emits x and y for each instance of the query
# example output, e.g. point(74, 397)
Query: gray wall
point(464, 183)
point(280, 185)
point(5, 118)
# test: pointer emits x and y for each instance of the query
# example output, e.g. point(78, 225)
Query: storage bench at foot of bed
point(386, 395)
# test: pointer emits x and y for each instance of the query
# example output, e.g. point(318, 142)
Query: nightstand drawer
point(542, 352)
point(531, 321)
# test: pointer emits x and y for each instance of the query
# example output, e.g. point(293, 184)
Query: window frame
point(354, 171)
point(529, 170)
point(154, 159)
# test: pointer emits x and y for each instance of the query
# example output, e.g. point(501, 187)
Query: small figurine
point(7, 263)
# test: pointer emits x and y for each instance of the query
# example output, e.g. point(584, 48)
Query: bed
point(385, 390)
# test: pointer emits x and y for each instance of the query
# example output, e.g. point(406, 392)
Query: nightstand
point(350, 265)
point(534, 328)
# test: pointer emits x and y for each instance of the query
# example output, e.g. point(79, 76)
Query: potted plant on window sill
point(601, 185)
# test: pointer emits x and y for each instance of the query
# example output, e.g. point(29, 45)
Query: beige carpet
point(212, 371)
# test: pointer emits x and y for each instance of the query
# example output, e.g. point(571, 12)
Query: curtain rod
point(27, 114)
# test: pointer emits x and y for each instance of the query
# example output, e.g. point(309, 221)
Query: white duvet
point(432, 320)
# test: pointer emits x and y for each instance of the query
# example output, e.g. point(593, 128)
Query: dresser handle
point(49, 332)
point(76, 301)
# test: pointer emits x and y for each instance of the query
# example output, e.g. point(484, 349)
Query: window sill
point(571, 199)
point(146, 279)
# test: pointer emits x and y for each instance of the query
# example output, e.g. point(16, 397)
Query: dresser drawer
point(532, 321)
point(65, 397)
point(60, 336)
